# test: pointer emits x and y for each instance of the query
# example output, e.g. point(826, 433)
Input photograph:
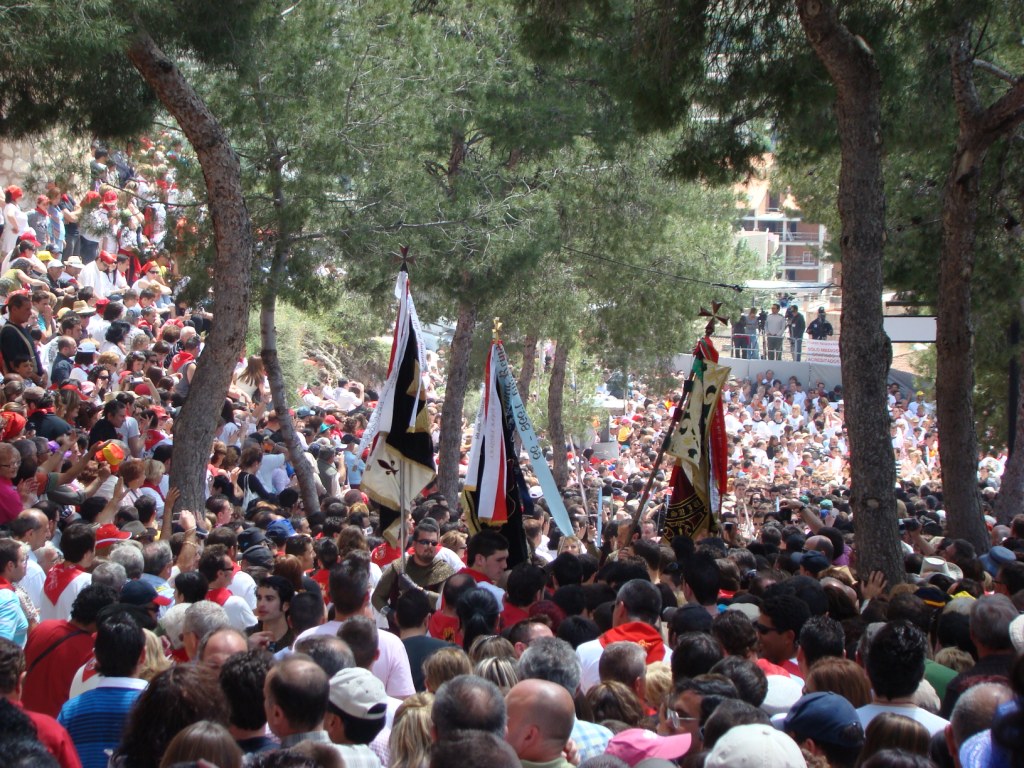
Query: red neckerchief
point(644, 635)
point(478, 577)
point(384, 554)
point(89, 670)
point(58, 579)
point(219, 596)
point(5, 584)
point(180, 360)
point(770, 669)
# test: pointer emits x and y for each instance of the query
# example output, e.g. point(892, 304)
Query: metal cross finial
point(404, 257)
point(496, 329)
point(709, 329)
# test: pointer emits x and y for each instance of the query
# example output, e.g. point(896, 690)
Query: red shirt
point(446, 628)
point(55, 738)
point(512, 615)
point(48, 681)
point(323, 578)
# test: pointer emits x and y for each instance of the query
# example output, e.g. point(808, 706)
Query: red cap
point(108, 258)
point(109, 534)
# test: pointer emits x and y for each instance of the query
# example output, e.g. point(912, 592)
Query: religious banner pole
point(713, 319)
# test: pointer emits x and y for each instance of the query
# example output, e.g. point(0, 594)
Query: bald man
point(295, 701)
point(821, 544)
point(973, 713)
point(540, 720)
point(218, 646)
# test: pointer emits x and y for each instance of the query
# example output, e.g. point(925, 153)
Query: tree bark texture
point(268, 313)
point(865, 350)
point(1010, 500)
point(454, 400)
point(271, 361)
point(979, 128)
point(529, 366)
point(194, 429)
point(556, 428)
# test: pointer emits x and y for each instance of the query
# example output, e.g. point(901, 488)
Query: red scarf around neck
point(58, 579)
point(644, 635)
point(219, 596)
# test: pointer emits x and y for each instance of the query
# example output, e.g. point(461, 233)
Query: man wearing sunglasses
point(421, 570)
point(778, 628)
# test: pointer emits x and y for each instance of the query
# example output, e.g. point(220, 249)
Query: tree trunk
point(268, 312)
point(303, 469)
point(195, 426)
point(979, 128)
point(954, 346)
point(529, 366)
point(556, 429)
point(865, 350)
point(1010, 500)
point(454, 400)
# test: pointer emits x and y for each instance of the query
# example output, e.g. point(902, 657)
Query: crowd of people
point(258, 632)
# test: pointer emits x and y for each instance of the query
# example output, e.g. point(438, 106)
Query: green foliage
point(62, 62)
point(921, 132)
point(346, 341)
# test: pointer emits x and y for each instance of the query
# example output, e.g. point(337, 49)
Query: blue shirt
point(354, 466)
point(95, 720)
point(13, 623)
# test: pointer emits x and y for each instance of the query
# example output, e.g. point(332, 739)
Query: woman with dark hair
point(133, 365)
point(100, 376)
point(175, 699)
point(249, 488)
point(478, 615)
point(115, 338)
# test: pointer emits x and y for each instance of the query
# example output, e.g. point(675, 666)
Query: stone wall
point(42, 156)
point(16, 158)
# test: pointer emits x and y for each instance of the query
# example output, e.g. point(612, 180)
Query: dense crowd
point(258, 632)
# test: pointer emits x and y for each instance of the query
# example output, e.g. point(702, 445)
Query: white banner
point(826, 351)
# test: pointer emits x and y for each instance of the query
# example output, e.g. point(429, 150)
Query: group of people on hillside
point(256, 631)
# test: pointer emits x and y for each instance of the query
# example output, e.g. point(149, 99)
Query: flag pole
point(402, 532)
point(684, 402)
point(676, 416)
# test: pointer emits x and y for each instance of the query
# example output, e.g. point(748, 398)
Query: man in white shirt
point(350, 592)
point(895, 666)
point(219, 569)
point(774, 328)
point(65, 580)
point(635, 617)
point(32, 529)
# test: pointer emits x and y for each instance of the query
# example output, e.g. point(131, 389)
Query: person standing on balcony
point(774, 328)
point(820, 328)
point(753, 328)
point(797, 325)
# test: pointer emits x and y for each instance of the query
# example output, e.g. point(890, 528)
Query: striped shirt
point(95, 720)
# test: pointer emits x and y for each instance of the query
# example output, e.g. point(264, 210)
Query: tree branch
point(992, 69)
